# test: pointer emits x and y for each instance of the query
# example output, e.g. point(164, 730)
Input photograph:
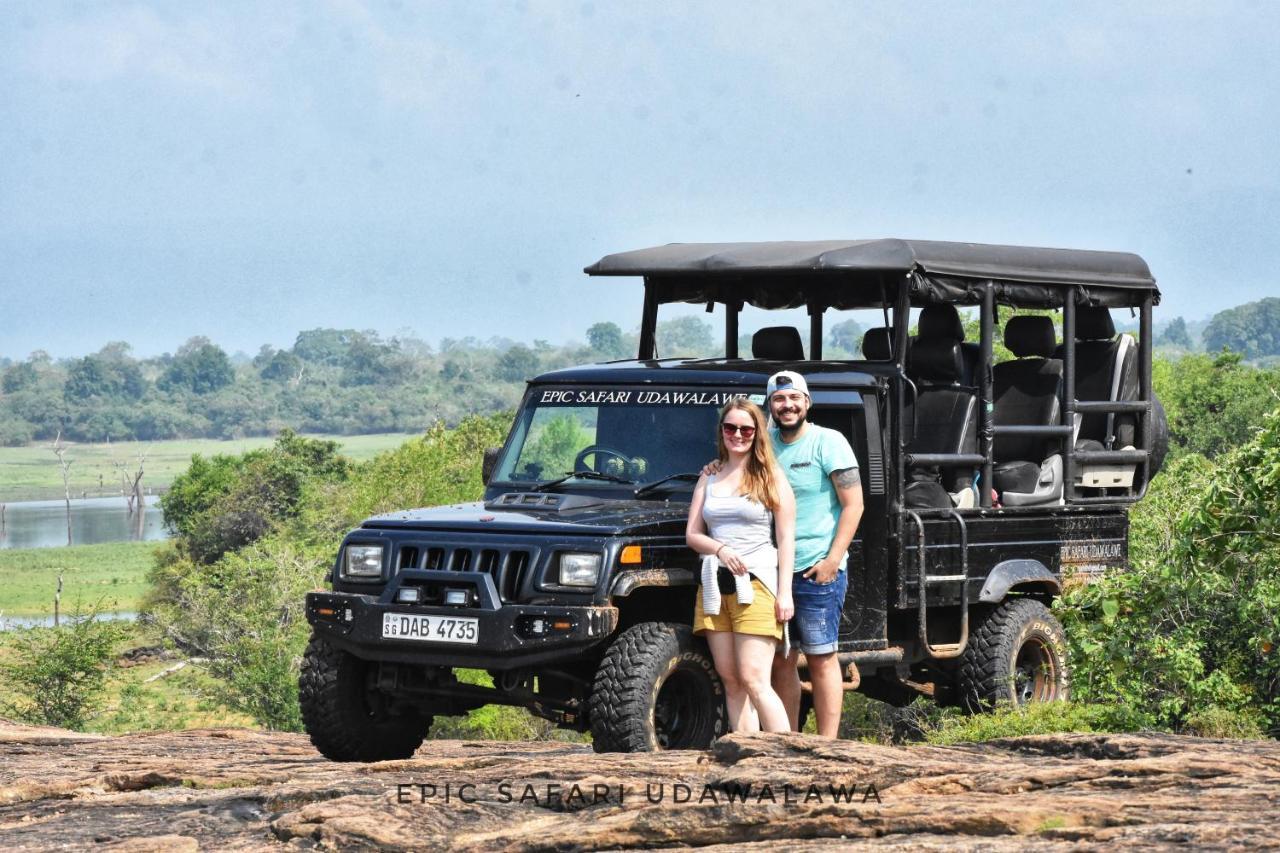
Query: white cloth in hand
point(711, 586)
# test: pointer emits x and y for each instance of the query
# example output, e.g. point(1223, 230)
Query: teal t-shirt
point(809, 463)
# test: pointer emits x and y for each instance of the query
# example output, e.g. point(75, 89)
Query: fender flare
point(625, 582)
point(1018, 573)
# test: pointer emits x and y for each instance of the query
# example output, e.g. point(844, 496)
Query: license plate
point(431, 629)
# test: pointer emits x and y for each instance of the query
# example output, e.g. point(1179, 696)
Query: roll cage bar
point(901, 275)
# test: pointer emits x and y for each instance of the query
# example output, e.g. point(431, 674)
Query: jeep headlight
point(579, 569)
point(362, 561)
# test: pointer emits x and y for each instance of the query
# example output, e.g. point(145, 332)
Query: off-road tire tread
point(621, 693)
point(326, 674)
point(982, 679)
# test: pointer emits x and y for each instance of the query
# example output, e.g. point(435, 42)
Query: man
point(823, 472)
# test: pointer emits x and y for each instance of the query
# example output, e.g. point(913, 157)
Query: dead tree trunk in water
point(61, 452)
point(131, 490)
point(131, 482)
point(57, 600)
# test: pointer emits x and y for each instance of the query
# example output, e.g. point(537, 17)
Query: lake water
point(10, 623)
point(43, 524)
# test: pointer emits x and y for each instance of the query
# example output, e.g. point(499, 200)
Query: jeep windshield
point(615, 438)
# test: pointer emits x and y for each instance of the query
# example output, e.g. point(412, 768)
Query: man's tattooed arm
point(846, 478)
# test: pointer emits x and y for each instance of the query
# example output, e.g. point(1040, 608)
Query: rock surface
point(248, 790)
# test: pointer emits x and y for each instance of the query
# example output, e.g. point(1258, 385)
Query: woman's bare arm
point(784, 521)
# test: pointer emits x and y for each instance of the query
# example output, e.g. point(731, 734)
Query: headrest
point(1027, 336)
point(1093, 323)
point(935, 360)
point(876, 344)
point(941, 321)
point(778, 343)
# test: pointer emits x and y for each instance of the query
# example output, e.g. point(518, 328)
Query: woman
point(731, 519)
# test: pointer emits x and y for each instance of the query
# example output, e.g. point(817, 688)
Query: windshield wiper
point(581, 475)
point(688, 476)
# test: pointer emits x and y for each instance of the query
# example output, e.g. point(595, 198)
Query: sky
point(245, 171)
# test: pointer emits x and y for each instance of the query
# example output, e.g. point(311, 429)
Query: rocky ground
point(233, 789)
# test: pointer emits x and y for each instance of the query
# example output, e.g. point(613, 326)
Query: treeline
point(349, 382)
point(339, 381)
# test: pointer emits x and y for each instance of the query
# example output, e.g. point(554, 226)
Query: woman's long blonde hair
point(758, 473)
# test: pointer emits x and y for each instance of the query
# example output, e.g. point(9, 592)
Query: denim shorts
point(815, 628)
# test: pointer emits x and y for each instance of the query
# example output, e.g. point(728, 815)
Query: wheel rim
point(1035, 673)
point(683, 709)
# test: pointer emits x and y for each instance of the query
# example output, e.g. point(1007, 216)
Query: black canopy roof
point(849, 273)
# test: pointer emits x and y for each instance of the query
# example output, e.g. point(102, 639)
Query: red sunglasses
point(735, 429)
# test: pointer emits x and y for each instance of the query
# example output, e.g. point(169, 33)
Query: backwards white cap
point(786, 380)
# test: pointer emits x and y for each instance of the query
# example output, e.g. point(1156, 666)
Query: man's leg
point(828, 692)
point(816, 630)
point(786, 683)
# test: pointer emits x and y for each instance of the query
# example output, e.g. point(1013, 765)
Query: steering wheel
point(580, 461)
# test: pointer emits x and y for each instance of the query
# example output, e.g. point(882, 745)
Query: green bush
point(1194, 624)
point(58, 674)
point(1037, 718)
point(15, 432)
point(1221, 723)
point(1214, 402)
point(441, 467)
point(496, 722)
point(876, 722)
point(227, 502)
point(244, 608)
point(244, 612)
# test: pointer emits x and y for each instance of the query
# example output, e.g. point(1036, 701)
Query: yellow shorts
point(758, 617)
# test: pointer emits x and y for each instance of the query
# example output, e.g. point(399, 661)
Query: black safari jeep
point(986, 488)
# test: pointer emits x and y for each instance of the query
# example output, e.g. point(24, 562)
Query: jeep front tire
point(656, 689)
point(347, 717)
point(1016, 655)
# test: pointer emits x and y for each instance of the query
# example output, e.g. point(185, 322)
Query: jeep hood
point(589, 517)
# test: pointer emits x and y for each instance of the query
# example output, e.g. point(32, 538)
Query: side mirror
point(490, 462)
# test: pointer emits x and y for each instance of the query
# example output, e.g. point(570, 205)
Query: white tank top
point(746, 527)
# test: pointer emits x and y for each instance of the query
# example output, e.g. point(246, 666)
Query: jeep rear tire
point(345, 714)
point(1016, 655)
point(656, 689)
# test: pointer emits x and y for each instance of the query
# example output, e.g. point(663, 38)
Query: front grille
point(515, 567)
point(508, 567)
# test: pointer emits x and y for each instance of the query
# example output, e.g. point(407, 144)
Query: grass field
point(185, 699)
point(110, 577)
point(32, 473)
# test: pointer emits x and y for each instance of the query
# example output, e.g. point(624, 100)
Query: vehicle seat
point(777, 343)
point(1106, 369)
point(938, 322)
point(1028, 469)
point(877, 344)
point(945, 415)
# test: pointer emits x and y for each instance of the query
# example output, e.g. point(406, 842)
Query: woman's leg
point(723, 652)
point(755, 661)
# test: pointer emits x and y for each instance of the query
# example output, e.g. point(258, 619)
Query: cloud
point(189, 54)
point(412, 69)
